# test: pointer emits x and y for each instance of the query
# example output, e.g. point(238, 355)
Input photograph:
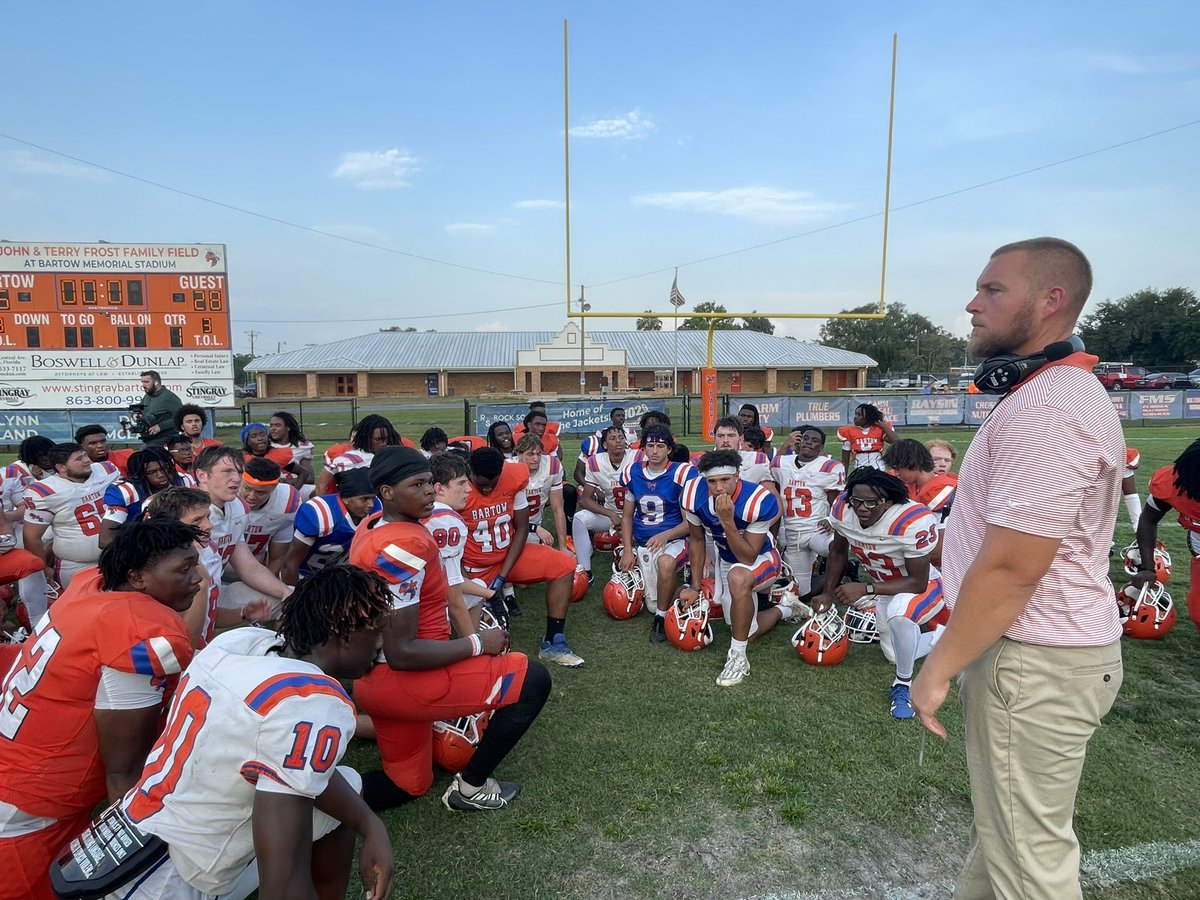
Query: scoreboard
point(79, 322)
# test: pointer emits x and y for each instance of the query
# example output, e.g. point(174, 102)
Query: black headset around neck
point(1001, 373)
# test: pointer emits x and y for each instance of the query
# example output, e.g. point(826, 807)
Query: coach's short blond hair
point(1053, 262)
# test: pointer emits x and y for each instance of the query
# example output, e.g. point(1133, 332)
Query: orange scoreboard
point(79, 322)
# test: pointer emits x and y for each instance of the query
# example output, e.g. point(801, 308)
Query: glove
point(497, 584)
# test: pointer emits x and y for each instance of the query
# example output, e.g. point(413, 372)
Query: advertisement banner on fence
point(1191, 405)
point(60, 425)
point(1158, 405)
point(573, 416)
point(772, 411)
point(935, 409)
point(820, 411)
point(1121, 404)
point(893, 408)
point(978, 407)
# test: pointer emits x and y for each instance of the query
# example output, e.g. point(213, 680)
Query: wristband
point(476, 644)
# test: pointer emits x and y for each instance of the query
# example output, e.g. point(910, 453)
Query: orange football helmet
point(606, 541)
point(1146, 614)
point(688, 628)
point(822, 640)
point(625, 594)
point(579, 587)
point(1132, 558)
point(454, 742)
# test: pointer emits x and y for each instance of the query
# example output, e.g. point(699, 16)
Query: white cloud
point(539, 204)
point(633, 126)
point(493, 326)
point(766, 205)
point(25, 162)
point(377, 170)
point(470, 228)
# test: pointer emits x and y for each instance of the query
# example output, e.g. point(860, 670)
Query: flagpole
point(675, 371)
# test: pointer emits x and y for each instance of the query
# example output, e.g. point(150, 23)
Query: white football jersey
point(272, 523)
point(605, 476)
point(300, 452)
point(756, 466)
point(905, 531)
point(803, 486)
point(14, 478)
point(449, 531)
point(244, 719)
point(352, 459)
point(228, 526)
point(74, 509)
point(547, 479)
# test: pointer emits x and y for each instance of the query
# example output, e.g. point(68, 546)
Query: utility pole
point(252, 335)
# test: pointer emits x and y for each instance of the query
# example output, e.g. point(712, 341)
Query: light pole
point(583, 307)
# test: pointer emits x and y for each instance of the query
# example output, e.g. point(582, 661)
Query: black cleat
point(658, 630)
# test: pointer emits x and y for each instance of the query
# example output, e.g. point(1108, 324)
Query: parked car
point(1121, 376)
point(243, 391)
point(1194, 378)
point(1168, 381)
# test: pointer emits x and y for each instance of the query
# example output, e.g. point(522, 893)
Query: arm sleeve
point(126, 690)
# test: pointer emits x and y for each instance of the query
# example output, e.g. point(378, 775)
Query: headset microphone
point(1001, 373)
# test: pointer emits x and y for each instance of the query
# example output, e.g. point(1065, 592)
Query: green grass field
point(644, 779)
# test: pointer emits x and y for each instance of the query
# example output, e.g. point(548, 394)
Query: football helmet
point(1146, 614)
point(822, 640)
point(454, 742)
point(579, 587)
point(784, 586)
point(625, 594)
point(606, 541)
point(487, 619)
point(688, 628)
point(1132, 558)
point(861, 627)
point(708, 590)
point(1133, 458)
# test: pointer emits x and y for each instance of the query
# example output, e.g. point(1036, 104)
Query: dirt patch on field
point(751, 853)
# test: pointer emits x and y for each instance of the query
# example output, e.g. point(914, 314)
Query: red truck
point(1121, 376)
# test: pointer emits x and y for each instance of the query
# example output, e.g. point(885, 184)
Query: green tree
point(1155, 329)
point(702, 323)
point(649, 323)
point(240, 360)
point(902, 341)
point(398, 328)
point(758, 323)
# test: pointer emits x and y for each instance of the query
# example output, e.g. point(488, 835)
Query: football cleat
point(493, 795)
point(737, 667)
point(454, 742)
point(688, 628)
point(607, 541)
point(1147, 614)
point(579, 587)
point(901, 702)
point(822, 640)
point(861, 627)
point(559, 652)
point(625, 594)
point(1132, 558)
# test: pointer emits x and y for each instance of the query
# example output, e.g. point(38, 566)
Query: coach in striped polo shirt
point(1034, 627)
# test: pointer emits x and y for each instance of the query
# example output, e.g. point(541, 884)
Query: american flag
point(676, 297)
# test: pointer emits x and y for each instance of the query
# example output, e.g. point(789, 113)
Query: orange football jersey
point(406, 556)
point(490, 518)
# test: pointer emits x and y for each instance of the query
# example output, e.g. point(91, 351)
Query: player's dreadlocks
point(332, 603)
point(140, 460)
point(1187, 471)
point(871, 413)
point(880, 483)
point(366, 429)
point(295, 436)
point(141, 543)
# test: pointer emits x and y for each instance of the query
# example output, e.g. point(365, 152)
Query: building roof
point(430, 351)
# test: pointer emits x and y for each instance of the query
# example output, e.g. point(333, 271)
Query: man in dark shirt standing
point(158, 411)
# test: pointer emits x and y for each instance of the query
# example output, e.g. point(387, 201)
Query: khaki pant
point(1030, 711)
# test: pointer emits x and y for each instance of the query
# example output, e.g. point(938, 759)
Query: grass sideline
point(643, 779)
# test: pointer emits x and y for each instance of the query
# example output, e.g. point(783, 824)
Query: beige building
point(547, 363)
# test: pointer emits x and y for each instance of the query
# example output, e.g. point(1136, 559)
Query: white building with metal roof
point(476, 363)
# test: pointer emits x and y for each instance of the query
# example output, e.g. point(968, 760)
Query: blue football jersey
point(754, 509)
point(656, 499)
point(325, 525)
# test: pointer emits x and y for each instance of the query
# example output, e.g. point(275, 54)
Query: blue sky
point(698, 129)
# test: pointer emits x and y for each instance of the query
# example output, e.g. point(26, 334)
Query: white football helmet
point(1132, 558)
point(861, 625)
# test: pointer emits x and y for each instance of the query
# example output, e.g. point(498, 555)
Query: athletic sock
point(661, 613)
point(554, 626)
point(907, 682)
point(379, 792)
point(738, 647)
